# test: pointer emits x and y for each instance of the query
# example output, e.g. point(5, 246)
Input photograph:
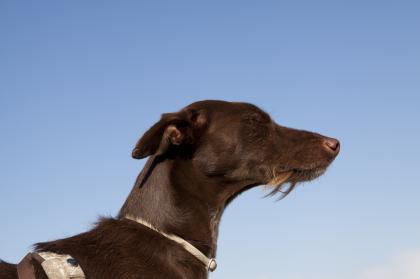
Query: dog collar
point(210, 264)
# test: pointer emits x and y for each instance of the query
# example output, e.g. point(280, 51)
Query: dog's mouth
point(286, 181)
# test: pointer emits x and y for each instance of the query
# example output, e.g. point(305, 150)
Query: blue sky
point(81, 80)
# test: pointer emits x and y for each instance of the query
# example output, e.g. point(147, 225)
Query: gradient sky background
point(80, 81)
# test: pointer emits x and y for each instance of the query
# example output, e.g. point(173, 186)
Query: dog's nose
point(332, 145)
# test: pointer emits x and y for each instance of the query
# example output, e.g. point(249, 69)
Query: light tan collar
point(209, 263)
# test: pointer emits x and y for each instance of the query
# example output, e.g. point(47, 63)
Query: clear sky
point(80, 81)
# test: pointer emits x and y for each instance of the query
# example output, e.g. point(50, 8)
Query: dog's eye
point(255, 118)
point(256, 127)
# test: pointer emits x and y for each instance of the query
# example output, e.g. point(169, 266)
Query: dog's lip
point(293, 174)
point(310, 169)
point(307, 174)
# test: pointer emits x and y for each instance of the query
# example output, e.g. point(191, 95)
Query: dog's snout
point(332, 145)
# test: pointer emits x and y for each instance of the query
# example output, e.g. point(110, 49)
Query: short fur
point(200, 159)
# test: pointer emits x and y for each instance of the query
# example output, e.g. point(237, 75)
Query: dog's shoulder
point(120, 248)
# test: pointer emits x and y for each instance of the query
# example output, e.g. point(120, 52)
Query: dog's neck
point(176, 199)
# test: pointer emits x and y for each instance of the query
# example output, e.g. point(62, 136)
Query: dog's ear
point(173, 129)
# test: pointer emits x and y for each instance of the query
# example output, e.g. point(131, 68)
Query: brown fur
point(200, 159)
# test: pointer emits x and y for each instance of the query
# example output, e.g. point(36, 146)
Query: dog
point(199, 159)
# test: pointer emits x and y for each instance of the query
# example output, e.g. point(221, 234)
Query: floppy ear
point(173, 129)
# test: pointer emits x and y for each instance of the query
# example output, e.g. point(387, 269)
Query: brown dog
point(200, 159)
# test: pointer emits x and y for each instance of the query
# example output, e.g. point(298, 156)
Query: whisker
point(287, 192)
point(278, 182)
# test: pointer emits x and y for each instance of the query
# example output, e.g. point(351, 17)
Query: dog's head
point(237, 145)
